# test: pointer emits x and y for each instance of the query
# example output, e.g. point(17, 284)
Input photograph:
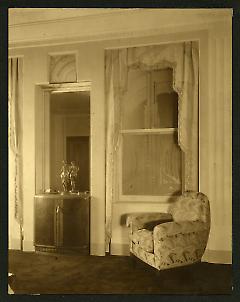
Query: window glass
point(150, 101)
point(166, 105)
point(163, 99)
point(135, 100)
point(151, 164)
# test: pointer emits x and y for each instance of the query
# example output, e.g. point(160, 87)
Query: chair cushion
point(139, 221)
point(144, 238)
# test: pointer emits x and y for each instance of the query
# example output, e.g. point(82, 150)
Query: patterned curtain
point(183, 58)
point(15, 82)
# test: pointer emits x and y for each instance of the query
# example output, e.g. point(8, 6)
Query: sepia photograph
point(120, 151)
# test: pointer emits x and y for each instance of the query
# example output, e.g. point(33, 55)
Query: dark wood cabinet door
point(75, 223)
point(61, 224)
point(44, 224)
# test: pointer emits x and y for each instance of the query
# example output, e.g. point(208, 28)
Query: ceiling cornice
point(16, 20)
point(121, 23)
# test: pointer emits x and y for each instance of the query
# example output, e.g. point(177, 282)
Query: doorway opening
point(62, 134)
point(70, 132)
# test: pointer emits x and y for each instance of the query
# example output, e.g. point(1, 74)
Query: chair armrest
point(138, 221)
point(179, 242)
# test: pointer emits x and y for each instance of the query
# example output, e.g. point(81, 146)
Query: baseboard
point(97, 249)
point(217, 256)
point(119, 249)
point(211, 256)
point(28, 246)
point(14, 244)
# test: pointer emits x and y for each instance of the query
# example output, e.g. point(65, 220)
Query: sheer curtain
point(115, 87)
point(183, 58)
point(15, 82)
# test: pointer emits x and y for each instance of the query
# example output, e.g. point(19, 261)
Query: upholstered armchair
point(176, 238)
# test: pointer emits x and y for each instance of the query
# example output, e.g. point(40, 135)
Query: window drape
point(115, 87)
point(15, 82)
point(183, 58)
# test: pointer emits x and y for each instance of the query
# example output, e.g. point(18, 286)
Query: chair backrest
point(191, 206)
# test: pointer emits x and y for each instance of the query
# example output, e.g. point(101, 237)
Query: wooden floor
point(74, 274)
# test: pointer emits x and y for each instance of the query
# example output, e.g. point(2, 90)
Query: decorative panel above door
point(62, 68)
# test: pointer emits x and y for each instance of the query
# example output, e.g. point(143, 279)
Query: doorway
point(69, 136)
point(62, 113)
point(51, 145)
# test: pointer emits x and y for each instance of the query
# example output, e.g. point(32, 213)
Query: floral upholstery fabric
point(172, 243)
point(147, 257)
point(178, 243)
point(191, 206)
point(174, 228)
point(144, 238)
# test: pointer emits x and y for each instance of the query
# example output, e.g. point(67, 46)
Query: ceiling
point(33, 15)
point(29, 15)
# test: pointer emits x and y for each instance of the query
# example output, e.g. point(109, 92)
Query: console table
point(61, 223)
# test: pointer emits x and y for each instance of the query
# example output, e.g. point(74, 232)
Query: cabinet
point(61, 223)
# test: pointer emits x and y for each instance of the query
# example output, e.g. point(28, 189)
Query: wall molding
point(14, 244)
point(112, 25)
point(211, 256)
point(217, 256)
point(152, 33)
point(119, 249)
point(28, 246)
point(97, 249)
point(53, 16)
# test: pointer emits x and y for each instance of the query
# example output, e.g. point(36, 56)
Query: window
point(149, 159)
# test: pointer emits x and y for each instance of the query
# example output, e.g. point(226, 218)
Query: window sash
point(120, 197)
point(149, 131)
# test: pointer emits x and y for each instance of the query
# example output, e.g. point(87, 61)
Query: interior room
point(120, 151)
